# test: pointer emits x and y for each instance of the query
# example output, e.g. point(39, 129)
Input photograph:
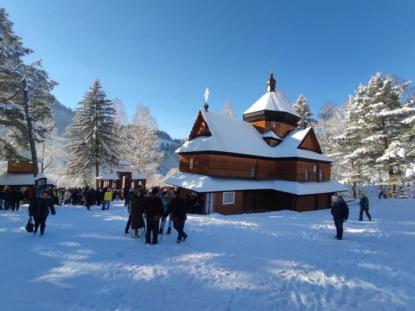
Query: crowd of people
point(149, 211)
point(11, 197)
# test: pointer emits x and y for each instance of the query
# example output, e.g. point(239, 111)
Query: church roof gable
point(235, 136)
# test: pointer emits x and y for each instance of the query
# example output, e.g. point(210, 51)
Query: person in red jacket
point(153, 209)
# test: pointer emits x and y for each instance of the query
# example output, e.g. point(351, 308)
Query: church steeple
point(271, 83)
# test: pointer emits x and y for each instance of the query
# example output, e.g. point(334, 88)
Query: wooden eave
point(312, 135)
point(200, 128)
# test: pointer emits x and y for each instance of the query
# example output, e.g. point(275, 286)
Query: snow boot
point(169, 230)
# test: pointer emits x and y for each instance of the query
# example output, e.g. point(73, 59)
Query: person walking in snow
point(39, 210)
point(128, 204)
point(364, 207)
point(177, 209)
point(340, 213)
point(153, 209)
point(90, 197)
point(127, 196)
point(137, 202)
point(107, 199)
point(166, 197)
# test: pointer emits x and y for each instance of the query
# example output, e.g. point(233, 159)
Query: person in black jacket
point(364, 207)
point(177, 210)
point(39, 210)
point(90, 197)
point(340, 212)
point(153, 209)
point(136, 211)
point(13, 199)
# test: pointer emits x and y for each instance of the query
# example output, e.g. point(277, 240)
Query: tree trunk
point(96, 176)
point(354, 190)
point(392, 184)
point(30, 128)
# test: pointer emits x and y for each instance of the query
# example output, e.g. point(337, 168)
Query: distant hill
point(63, 116)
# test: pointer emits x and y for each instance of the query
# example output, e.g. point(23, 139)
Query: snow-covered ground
point(273, 261)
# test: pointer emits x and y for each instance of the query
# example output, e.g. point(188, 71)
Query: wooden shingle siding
point(240, 167)
point(227, 209)
point(305, 203)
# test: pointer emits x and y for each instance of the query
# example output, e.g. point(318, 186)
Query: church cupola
point(272, 111)
point(272, 83)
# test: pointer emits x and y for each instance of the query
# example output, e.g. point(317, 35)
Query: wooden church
point(261, 163)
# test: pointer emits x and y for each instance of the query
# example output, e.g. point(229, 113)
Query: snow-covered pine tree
point(302, 107)
point(92, 138)
point(23, 119)
point(143, 143)
point(383, 114)
point(372, 145)
point(228, 110)
point(408, 132)
point(350, 154)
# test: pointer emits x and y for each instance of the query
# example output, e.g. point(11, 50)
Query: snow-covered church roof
point(235, 136)
point(201, 183)
point(272, 101)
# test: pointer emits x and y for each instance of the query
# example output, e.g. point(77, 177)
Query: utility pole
point(29, 126)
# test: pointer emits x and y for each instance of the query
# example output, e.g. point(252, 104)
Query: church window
point(228, 198)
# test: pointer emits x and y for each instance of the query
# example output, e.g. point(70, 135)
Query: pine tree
point(408, 133)
point(350, 154)
point(25, 106)
point(144, 152)
point(382, 114)
point(372, 146)
point(92, 136)
point(302, 107)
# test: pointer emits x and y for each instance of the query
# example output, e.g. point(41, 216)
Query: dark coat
point(177, 208)
point(40, 208)
point(128, 196)
point(340, 211)
point(153, 208)
point(90, 196)
point(136, 212)
point(364, 203)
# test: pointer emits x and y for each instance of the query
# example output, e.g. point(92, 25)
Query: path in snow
point(273, 261)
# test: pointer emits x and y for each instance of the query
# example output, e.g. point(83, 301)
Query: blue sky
point(163, 54)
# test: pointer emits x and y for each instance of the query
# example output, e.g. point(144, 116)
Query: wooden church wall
point(240, 167)
point(268, 200)
point(228, 209)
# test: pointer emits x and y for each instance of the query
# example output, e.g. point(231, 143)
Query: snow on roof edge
point(201, 183)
